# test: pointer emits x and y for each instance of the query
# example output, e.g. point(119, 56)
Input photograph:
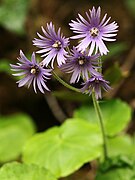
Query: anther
point(94, 32)
point(57, 44)
point(81, 60)
point(33, 71)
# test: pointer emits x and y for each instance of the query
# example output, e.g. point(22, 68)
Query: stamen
point(96, 80)
point(94, 32)
point(33, 71)
point(57, 44)
point(81, 60)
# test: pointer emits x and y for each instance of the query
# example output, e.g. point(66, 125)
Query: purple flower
point(94, 32)
point(95, 84)
point(32, 72)
point(52, 45)
point(80, 64)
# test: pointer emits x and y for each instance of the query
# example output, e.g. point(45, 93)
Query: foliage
point(115, 49)
point(13, 14)
point(17, 171)
point(64, 149)
point(121, 145)
point(118, 168)
point(112, 110)
point(114, 74)
point(14, 131)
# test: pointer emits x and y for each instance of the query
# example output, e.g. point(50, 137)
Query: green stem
point(64, 83)
point(97, 109)
point(99, 114)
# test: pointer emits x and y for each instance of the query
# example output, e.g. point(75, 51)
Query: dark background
point(49, 110)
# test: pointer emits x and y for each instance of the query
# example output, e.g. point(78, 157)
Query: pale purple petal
point(51, 45)
point(23, 81)
point(80, 64)
point(31, 72)
point(95, 84)
point(93, 31)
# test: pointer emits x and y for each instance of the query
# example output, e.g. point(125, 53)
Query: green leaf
point(17, 171)
point(113, 74)
point(13, 14)
point(14, 131)
point(115, 49)
point(117, 168)
point(121, 145)
point(64, 149)
point(116, 115)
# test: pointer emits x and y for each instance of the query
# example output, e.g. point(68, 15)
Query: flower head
point(94, 32)
point(80, 64)
point(52, 45)
point(32, 72)
point(95, 83)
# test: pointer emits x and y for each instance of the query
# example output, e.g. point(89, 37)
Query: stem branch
point(64, 83)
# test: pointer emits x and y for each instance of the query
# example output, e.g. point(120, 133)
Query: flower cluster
point(82, 61)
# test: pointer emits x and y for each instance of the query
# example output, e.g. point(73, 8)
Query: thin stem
point(64, 83)
point(99, 114)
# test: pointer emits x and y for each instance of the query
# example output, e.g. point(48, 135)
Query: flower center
point(57, 44)
point(94, 32)
point(81, 60)
point(96, 80)
point(34, 70)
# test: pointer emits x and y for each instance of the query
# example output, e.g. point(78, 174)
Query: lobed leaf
point(121, 145)
point(14, 131)
point(17, 171)
point(64, 149)
point(116, 115)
